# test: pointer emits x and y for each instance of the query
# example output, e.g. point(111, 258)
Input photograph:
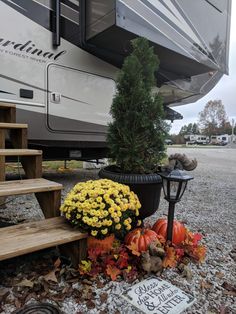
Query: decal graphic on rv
point(29, 48)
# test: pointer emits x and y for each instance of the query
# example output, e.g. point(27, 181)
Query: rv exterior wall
point(20, 68)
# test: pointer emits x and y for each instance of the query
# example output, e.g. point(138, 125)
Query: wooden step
point(34, 236)
point(48, 193)
point(7, 112)
point(7, 126)
point(20, 152)
point(31, 160)
point(6, 105)
point(18, 187)
point(17, 134)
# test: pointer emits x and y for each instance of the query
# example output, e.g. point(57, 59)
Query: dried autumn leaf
point(103, 297)
point(4, 292)
point(205, 285)
point(170, 258)
point(57, 263)
point(229, 286)
point(17, 303)
point(26, 283)
point(51, 276)
point(113, 272)
point(90, 304)
point(220, 275)
point(133, 247)
point(199, 253)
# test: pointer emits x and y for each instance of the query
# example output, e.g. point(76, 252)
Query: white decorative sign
point(158, 296)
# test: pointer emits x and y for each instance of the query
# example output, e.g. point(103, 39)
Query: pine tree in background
point(136, 135)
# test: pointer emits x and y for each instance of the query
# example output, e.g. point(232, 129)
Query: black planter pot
point(146, 186)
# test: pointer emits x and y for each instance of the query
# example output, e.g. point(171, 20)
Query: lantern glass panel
point(165, 188)
point(183, 187)
point(174, 186)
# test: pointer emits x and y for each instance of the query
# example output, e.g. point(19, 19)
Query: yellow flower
point(93, 212)
point(68, 216)
point(98, 224)
point(104, 231)
point(105, 213)
point(109, 223)
point(94, 233)
point(139, 222)
point(94, 205)
point(118, 226)
point(117, 219)
point(111, 210)
point(126, 222)
point(102, 206)
point(95, 219)
point(128, 227)
point(114, 215)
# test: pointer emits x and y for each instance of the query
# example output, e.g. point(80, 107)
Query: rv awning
point(179, 31)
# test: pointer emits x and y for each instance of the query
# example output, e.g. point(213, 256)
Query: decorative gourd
point(141, 237)
point(179, 231)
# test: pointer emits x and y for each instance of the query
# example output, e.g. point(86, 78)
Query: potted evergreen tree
point(138, 130)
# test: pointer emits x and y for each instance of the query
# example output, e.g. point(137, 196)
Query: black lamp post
point(174, 184)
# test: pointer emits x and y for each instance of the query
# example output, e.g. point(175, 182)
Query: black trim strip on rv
point(39, 88)
point(71, 5)
point(4, 92)
point(209, 2)
point(56, 28)
point(44, 17)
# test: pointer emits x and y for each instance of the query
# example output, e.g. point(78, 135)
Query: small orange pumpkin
point(179, 231)
point(141, 237)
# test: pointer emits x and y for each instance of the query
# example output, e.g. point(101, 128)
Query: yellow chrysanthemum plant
point(102, 207)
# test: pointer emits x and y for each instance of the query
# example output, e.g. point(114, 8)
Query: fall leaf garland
point(124, 261)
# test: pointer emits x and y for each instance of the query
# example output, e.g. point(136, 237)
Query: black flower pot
point(146, 186)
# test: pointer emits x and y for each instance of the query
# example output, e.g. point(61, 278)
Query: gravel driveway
point(208, 206)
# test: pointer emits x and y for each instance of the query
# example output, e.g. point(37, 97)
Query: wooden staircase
point(29, 237)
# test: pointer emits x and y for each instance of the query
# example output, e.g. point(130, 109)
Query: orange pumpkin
point(179, 231)
point(141, 237)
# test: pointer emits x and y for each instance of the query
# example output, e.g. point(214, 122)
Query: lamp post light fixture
point(174, 184)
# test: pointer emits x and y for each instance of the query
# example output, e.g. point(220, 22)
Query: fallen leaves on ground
point(103, 297)
point(204, 284)
point(230, 289)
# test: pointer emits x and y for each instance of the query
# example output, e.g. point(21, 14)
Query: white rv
point(59, 60)
point(196, 139)
point(220, 139)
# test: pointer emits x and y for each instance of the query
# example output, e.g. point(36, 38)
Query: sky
point(224, 90)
